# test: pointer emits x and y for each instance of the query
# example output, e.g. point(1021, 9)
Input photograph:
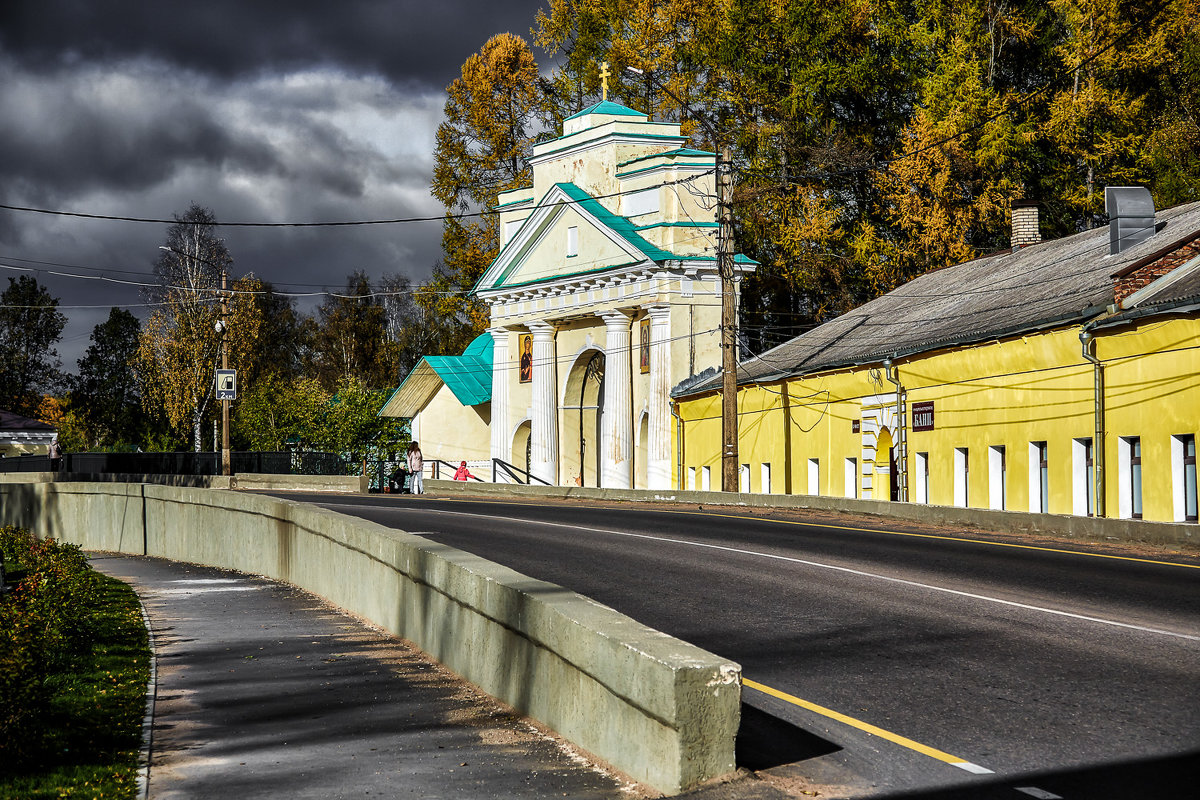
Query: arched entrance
point(521, 445)
point(640, 446)
point(885, 466)
point(582, 409)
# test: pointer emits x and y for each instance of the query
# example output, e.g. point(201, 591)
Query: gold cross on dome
point(604, 80)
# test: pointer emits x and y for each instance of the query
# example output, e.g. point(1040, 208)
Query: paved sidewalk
point(265, 691)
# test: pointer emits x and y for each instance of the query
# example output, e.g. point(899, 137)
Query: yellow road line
point(895, 738)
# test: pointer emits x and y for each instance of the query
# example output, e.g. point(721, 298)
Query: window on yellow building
point(851, 477)
point(705, 479)
point(1039, 478)
point(691, 479)
point(744, 479)
point(1083, 476)
point(921, 478)
point(997, 478)
point(814, 476)
point(1129, 477)
point(962, 477)
point(766, 479)
point(1183, 471)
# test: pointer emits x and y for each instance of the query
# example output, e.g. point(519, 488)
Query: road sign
point(227, 384)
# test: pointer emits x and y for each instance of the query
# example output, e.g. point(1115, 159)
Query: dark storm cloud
point(274, 112)
point(404, 40)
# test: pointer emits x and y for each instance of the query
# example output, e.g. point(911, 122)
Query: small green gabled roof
point(619, 225)
point(468, 376)
point(610, 108)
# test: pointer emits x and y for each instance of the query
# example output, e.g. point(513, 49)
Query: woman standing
point(416, 463)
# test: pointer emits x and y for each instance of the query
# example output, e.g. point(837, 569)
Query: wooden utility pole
point(226, 468)
point(729, 419)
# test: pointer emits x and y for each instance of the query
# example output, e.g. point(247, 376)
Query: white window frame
point(1039, 500)
point(1129, 484)
point(997, 477)
point(1082, 485)
point(572, 241)
point(921, 478)
point(691, 479)
point(814, 476)
point(765, 478)
point(706, 479)
point(962, 476)
point(744, 478)
point(1179, 477)
point(851, 478)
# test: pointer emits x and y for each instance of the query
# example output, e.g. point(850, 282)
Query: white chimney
point(1025, 229)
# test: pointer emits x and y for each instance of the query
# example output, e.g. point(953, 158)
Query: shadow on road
point(1164, 778)
point(766, 741)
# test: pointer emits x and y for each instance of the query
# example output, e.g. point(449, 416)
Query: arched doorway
point(641, 478)
point(582, 409)
point(521, 446)
point(885, 466)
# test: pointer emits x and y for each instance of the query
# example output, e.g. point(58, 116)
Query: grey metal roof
point(1056, 282)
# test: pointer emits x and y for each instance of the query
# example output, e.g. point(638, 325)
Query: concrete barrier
point(1103, 529)
point(661, 710)
point(242, 480)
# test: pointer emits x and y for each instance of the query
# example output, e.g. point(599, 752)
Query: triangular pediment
point(538, 251)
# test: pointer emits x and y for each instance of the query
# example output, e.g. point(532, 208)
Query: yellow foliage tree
point(180, 349)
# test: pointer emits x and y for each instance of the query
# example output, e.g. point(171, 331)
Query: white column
point(502, 369)
point(544, 421)
point(658, 453)
point(616, 443)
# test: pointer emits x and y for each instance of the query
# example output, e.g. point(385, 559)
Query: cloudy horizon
point(317, 113)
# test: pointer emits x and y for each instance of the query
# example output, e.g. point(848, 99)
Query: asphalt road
point(881, 661)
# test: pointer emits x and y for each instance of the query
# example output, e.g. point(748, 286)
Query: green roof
point(610, 108)
point(468, 376)
point(617, 224)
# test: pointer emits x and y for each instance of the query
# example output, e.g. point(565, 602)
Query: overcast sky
point(305, 111)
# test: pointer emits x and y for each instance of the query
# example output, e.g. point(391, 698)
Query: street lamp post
point(725, 270)
point(222, 328)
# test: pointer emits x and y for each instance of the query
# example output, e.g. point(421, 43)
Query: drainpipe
point(901, 442)
point(679, 486)
point(1098, 480)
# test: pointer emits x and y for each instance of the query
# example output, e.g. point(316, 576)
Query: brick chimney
point(1025, 229)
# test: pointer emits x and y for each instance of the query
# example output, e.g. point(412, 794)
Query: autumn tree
point(30, 326)
point(482, 149)
point(180, 346)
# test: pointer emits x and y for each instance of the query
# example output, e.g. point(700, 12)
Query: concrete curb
point(147, 751)
point(663, 711)
point(1126, 530)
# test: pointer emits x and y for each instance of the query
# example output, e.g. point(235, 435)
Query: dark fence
point(186, 463)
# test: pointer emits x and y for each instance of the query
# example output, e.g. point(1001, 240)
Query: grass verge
point(84, 736)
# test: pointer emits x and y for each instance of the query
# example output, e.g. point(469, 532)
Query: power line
point(335, 224)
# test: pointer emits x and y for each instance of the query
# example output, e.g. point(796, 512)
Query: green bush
point(47, 620)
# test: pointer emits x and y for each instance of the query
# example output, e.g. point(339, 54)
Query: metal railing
point(514, 473)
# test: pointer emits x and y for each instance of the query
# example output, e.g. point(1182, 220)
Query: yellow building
point(603, 297)
point(1059, 377)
